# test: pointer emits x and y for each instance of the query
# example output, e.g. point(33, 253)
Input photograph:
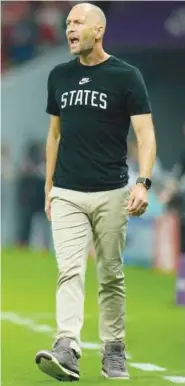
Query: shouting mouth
point(73, 42)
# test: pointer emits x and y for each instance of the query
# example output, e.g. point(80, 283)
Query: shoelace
point(68, 350)
point(116, 360)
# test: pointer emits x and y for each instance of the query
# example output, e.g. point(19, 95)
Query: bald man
point(91, 101)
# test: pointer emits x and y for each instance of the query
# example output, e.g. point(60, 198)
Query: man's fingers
point(137, 213)
point(48, 215)
point(131, 202)
point(138, 201)
point(135, 205)
point(138, 207)
point(48, 211)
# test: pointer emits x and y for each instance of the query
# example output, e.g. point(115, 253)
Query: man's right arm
point(52, 145)
point(53, 139)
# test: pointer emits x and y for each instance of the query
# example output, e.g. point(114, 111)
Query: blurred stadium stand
point(150, 35)
point(29, 27)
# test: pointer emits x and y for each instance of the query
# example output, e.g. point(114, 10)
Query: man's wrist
point(146, 182)
point(142, 185)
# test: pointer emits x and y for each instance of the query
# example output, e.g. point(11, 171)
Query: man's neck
point(94, 58)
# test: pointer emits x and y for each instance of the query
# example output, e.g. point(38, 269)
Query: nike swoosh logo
point(84, 81)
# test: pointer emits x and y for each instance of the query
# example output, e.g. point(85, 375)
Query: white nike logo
point(84, 80)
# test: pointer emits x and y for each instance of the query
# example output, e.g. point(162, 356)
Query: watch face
point(148, 183)
point(145, 181)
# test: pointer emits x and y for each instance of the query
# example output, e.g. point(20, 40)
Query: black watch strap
point(145, 181)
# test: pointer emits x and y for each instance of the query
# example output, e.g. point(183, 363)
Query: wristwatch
point(145, 181)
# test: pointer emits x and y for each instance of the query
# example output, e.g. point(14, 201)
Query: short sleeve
point(52, 106)
point(137, 100)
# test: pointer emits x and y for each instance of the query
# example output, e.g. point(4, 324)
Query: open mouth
point(74, 41)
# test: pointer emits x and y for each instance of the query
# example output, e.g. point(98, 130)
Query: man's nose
point(71, 28)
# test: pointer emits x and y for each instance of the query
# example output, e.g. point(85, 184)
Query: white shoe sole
point(126, 376)
point(49, 365)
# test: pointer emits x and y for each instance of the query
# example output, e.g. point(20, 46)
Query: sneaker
point(61, 363)
point(114, 361)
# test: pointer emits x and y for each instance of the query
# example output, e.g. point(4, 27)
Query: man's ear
point(100, 32)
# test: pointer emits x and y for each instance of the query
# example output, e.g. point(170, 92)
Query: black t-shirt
point(95, 104)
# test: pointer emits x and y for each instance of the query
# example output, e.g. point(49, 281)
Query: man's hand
point(48, 208)
point(48, 202)
point(138, 200)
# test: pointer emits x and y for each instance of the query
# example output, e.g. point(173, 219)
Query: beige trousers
point(76, 217)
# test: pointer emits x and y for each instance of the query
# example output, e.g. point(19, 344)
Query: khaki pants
point(76, 216)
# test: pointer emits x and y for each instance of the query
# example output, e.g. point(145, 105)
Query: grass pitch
point(155, 325)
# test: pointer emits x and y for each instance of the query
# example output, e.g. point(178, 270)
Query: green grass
point(155, 326)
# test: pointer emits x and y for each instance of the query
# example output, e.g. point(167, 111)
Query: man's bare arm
point(52, 145)
point(144, 130)
point(146, 142)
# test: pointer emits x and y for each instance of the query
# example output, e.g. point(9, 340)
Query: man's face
point(81, 32)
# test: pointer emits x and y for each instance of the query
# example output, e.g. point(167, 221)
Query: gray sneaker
point(114, 361)
point(61, 363)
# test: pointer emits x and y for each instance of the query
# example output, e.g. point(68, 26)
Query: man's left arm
point(146, 143)
point(139, 109)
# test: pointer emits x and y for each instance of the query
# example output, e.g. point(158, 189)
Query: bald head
point(92, 12)
point(86, 25)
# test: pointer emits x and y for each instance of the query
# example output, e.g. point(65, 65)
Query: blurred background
point(150, 35)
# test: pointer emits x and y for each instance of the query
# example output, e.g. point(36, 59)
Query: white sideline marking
point(90, 345)
point(147, 367)
point(12, 317)
point(17, 319)
point(128, 356)
point(176, 379)
point(20, 321)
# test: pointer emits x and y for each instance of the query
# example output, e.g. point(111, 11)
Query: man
point(91, 100)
